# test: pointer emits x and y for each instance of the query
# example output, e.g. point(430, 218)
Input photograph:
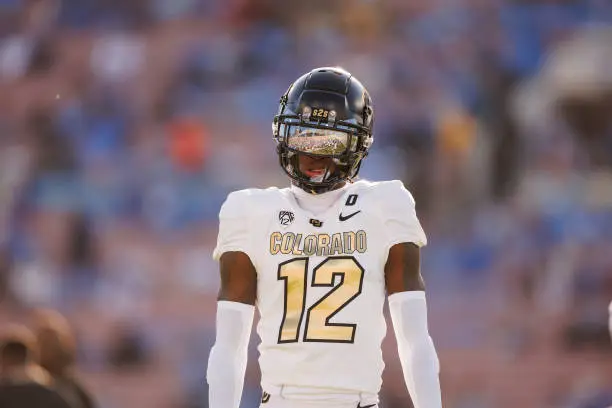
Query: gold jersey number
point(294, 273)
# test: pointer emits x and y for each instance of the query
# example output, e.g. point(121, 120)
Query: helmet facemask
point(345, 142)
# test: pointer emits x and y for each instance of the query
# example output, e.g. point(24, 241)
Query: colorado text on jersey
point(320, 244)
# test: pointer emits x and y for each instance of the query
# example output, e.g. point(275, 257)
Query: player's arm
point(235, 309)
point(228, 357)
point(407, 304)
point(408, 309)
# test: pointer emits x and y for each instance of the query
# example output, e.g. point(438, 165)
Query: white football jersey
point(320, 279)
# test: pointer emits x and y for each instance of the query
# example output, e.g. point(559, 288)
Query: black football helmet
point(324, 113)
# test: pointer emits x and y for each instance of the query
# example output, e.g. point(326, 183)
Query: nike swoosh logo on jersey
point(365, 406)
point(344, 218)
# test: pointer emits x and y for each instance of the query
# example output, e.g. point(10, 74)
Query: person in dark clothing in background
point(57, 356)
point(5, 270)
point(24, 384)
point(82, 259)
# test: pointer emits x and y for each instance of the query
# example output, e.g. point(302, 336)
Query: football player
point(317, 259)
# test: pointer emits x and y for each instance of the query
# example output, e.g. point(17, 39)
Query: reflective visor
point(326, 142)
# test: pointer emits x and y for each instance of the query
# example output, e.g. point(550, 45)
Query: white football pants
point(283, 397)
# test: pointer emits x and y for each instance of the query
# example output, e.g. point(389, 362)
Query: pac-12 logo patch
point(285, 217)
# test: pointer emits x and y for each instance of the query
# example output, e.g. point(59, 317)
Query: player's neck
point(316, 203)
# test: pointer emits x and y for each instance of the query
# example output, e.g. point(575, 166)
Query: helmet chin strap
point(311, 185)
point(321, 178)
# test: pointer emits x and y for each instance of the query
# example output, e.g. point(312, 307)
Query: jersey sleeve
point(233, 227)
point(400, 218)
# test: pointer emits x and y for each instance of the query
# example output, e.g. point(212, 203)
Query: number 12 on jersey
point(317, 327)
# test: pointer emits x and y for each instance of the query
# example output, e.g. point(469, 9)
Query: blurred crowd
point(124, 124)
point(37, 365)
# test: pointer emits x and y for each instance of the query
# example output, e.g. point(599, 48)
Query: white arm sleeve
point(416, 349)
point(610, 319)
point(228, 357)
point(400, 218)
